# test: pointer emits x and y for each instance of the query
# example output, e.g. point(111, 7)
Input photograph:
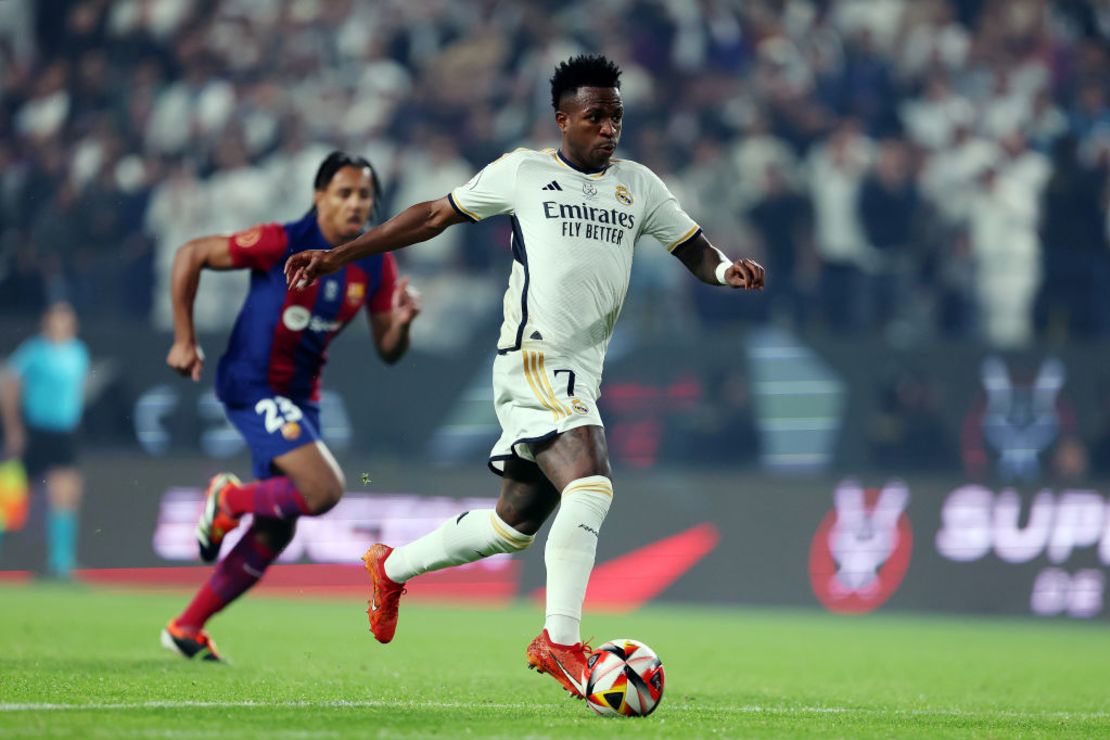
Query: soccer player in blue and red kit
point(269, 378)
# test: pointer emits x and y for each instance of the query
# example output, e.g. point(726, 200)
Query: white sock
point(471, 536)
point(569, 555)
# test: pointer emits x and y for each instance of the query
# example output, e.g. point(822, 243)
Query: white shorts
point(537, 396)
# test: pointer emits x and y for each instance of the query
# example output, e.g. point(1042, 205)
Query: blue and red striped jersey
point(280, 340)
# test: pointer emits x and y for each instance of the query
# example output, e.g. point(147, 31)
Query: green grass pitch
point(82, 662)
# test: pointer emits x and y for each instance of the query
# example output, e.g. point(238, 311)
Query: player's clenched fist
point(303, 268)
point(186, 358)
point(746, 274)
point(406, 302)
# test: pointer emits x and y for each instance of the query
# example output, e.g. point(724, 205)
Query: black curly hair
point(584, 70)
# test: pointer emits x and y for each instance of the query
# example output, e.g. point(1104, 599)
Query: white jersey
point(573, 234)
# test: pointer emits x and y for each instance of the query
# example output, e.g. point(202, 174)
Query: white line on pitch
point(372, 704)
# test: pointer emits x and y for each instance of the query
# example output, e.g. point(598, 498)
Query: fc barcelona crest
point(247, 239)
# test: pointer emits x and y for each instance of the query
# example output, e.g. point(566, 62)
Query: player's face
point(591, 125)
point(343, 207)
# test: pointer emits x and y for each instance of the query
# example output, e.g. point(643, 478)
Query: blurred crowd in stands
point(912, 168)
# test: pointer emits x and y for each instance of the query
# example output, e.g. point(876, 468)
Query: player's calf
point(570, 553)
point(470, 536)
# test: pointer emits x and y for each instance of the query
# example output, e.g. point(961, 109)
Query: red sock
point(274, 497)
point(236, 573)
point(200, 609)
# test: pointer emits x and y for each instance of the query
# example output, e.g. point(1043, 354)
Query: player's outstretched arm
point(710, 265)
point(415, 224)
point(213, 252)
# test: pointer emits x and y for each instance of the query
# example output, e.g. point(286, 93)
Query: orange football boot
point(385, 594)
point(190, 644)
point(565, 663)
point(214, 523)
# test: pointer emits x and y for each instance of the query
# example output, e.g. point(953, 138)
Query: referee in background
point(42, 396)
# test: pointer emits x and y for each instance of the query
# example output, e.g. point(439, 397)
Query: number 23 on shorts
point(280, 414)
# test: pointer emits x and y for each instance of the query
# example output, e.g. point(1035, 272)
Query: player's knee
point(585, 468)
point(507, 538)
point(595, 492)
point(323, 495)
point(602, 484)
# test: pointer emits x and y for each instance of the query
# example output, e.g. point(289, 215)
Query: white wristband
point(721, 269)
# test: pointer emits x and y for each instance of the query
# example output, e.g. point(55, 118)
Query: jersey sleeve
point(20, 361)
point(666, 221)
point(382, 300)
point(259, 247)
point(492, 192)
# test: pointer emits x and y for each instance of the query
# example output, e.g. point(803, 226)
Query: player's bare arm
point(415, 224)
point(15, 434)
point(391, 330)
point(703, 259)
point(214, 253)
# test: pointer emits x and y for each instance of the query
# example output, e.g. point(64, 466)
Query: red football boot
point(385, 594)
point(565, 663)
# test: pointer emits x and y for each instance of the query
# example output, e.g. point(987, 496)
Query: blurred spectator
point(783, 222)
point(704, 187)
point(953, 274)
point(1076, 256)
point(1091, 115)
point(907, 433)
point(1005, 243)
point(935, 39)
point(179, 210)
point(42, 398)
point(934, 119)
point(888, 205)
point(428, 169)
point(848, 261)
point(720, 431)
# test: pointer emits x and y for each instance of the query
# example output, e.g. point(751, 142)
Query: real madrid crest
point(623, 195)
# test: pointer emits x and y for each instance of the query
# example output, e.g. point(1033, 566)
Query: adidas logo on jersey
point(553, 185)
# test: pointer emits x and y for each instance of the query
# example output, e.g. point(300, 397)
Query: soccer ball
point(624, 678)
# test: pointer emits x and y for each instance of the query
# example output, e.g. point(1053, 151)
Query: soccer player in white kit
point(576, 214)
